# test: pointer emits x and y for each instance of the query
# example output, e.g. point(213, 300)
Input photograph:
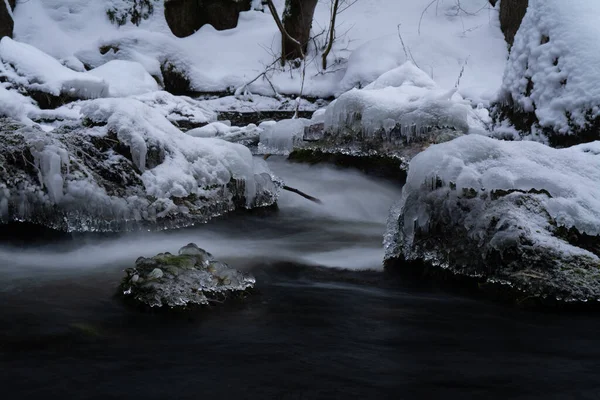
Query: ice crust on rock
point(404, 98)
point(520, 213)
point(192, 278)
point(127, 168)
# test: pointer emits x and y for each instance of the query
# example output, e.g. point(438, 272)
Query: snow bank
point(34, 70)
point(552, 70)
point(505, 211)
point(125, 78)
point(367, 44)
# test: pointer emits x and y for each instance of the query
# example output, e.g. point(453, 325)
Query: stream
point(327, 321)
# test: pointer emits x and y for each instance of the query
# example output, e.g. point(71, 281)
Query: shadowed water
point(313, 331)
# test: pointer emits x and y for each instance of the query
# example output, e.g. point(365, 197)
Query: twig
point(406, 52)
point(422, 14)
point(334, 12)
point(306, 196)
point(462, 71)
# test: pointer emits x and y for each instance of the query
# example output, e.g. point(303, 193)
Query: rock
point(185, 17)
point(517, 221)
point(6, 22)
point(90, 177)
point(192, 278)
point(392, 119)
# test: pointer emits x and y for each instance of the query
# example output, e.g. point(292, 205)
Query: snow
point(282, 136)
point(33, 69)
point(125, 78)
point(563, 68)
point(189, 163)
point(74, 31)
point(247, 135)
point(404, 97)
point(476, 162)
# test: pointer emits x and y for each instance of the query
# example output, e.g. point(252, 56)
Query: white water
point(343, 232)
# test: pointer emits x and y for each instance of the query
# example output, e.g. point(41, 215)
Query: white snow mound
point(33, 69)
point(553, 65)
point(125, 78)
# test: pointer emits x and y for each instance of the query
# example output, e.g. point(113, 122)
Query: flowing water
point(327, 322)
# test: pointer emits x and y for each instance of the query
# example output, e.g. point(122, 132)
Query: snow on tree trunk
point(297, 21)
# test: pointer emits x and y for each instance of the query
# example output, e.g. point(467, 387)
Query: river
point(327, 322)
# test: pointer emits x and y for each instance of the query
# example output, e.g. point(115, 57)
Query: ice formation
point(505, 211)
point(403, 99)
point(281, 137)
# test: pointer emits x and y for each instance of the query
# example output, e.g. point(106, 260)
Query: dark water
point(313, 331)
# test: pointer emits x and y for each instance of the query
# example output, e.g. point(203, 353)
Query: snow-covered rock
point(519, 218)
point(191, 278)
point(125, 78)
point(552, 83)
point(37, 72)
point(128, 167)
point(399, 114)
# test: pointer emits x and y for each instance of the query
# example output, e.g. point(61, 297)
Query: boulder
point(187, 16)
point(191, 278)
point(125, 166)
point(518, 221)
point(6, 21)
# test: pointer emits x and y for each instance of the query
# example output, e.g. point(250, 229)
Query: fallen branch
point(306, 196)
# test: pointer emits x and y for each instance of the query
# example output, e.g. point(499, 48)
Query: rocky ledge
point(191, 278)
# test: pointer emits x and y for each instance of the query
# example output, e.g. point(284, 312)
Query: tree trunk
point(511, 15)
point(297, 21)
point(6, 21)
